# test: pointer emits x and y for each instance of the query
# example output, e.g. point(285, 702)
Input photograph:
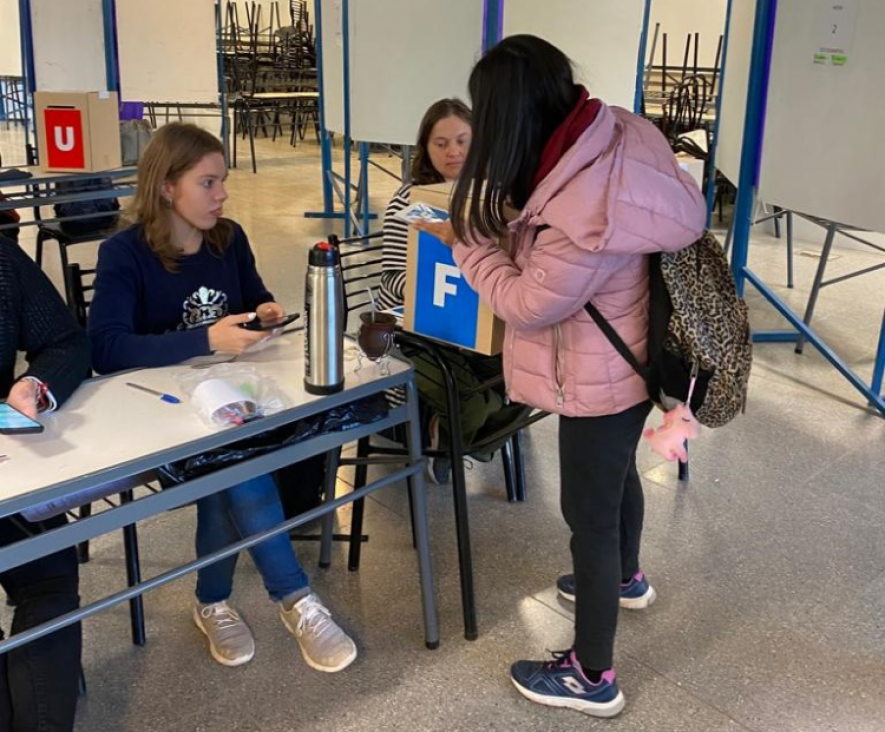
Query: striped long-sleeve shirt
point(396, 235)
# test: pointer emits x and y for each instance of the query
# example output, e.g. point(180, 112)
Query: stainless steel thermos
point(324, 313)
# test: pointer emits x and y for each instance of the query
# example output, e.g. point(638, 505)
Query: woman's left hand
point(24, 396)
point(442, 230)
point(269, 311)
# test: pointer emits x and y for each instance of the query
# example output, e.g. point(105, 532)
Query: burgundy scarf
point(572, 127)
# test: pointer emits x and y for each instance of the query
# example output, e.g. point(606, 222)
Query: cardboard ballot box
point(78, 131)
point(439, 303)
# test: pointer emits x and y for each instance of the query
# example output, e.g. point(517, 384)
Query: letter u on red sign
point(64, 138)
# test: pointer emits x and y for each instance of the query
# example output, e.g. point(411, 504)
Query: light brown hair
point(172, 151)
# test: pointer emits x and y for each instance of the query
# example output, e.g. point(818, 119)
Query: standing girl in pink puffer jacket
point(595, 189)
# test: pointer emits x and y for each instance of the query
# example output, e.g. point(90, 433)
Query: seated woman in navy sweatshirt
point(177, 284)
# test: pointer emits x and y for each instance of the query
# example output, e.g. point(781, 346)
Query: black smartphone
point(282, 322)
point(13, 422)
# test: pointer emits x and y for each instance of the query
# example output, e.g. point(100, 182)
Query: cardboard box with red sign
point(78, 131)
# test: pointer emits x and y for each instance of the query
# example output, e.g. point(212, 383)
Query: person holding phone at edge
point(440, 151)
point(180, 282)
point(596, 189)
point(39, 681)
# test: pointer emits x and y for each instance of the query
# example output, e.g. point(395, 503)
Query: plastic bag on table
point(134, 137)
point(365, 411)
point(230, 394)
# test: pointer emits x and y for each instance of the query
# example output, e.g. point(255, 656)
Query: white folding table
point(107, 431)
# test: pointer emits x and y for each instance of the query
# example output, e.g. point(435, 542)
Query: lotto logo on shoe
point(573, 685)
point(446, 307)
point(64, 138)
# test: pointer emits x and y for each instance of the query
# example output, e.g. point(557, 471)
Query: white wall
point(833, 169)
point(391, 80)
point(600, 36)
point(266, 7)
point(391, 89)
point(735, 85)
point(678, 18)
point(10, 40)
point(332, 46)
point(68, 45)
point(167, 62)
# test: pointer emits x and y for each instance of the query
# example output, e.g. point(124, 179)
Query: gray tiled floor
point(769, 563)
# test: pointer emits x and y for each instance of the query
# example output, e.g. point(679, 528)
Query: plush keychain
point(669, 440)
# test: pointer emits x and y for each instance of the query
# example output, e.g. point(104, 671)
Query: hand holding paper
point(442, 230)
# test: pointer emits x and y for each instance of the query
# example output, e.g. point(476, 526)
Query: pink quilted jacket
point(616, 195)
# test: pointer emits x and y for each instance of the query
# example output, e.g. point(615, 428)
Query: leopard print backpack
point(698, 328)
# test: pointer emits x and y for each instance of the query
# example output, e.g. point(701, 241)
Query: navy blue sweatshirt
point(145, 316)
point(34, 319)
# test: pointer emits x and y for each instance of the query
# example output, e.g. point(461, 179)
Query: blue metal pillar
point(348, 143)
point(879, 366)
point(640, 62)
point(492, 23)
point(754, 125)
point(325, 140)
point(29, 82)
point(364, 186)
point(222, 85)
point(111, 55)
point(711, 164)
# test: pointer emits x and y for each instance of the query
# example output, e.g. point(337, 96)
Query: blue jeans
point(226, 517)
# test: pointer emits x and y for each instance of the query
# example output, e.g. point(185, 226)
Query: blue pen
point(163, 397)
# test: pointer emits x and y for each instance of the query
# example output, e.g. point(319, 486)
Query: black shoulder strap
point(616, 341)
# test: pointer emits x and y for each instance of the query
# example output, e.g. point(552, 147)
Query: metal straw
point(372, 302)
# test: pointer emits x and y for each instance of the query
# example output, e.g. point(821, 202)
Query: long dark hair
point(423, 172)
point(521, 91)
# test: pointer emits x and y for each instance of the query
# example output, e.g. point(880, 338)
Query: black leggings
point(602, 502)
point(38, 681)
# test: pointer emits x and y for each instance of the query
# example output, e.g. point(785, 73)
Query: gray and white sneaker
point(324, 645)
point(438, 470)
point(230, 640)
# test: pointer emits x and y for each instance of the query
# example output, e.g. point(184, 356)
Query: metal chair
point(685, 108)
point(361, 268)
point(66, 195)
point(77, 287)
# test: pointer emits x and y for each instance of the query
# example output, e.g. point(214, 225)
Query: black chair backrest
point(87, 216)
point(79, 284)
point(361, 270)
point(684, 110)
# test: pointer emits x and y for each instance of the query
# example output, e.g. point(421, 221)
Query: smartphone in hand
point(281, 322)
point(13, 422)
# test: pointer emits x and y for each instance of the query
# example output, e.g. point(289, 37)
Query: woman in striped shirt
point(443, 142)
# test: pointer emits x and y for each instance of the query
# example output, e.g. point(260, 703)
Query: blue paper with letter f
point(446, 307)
